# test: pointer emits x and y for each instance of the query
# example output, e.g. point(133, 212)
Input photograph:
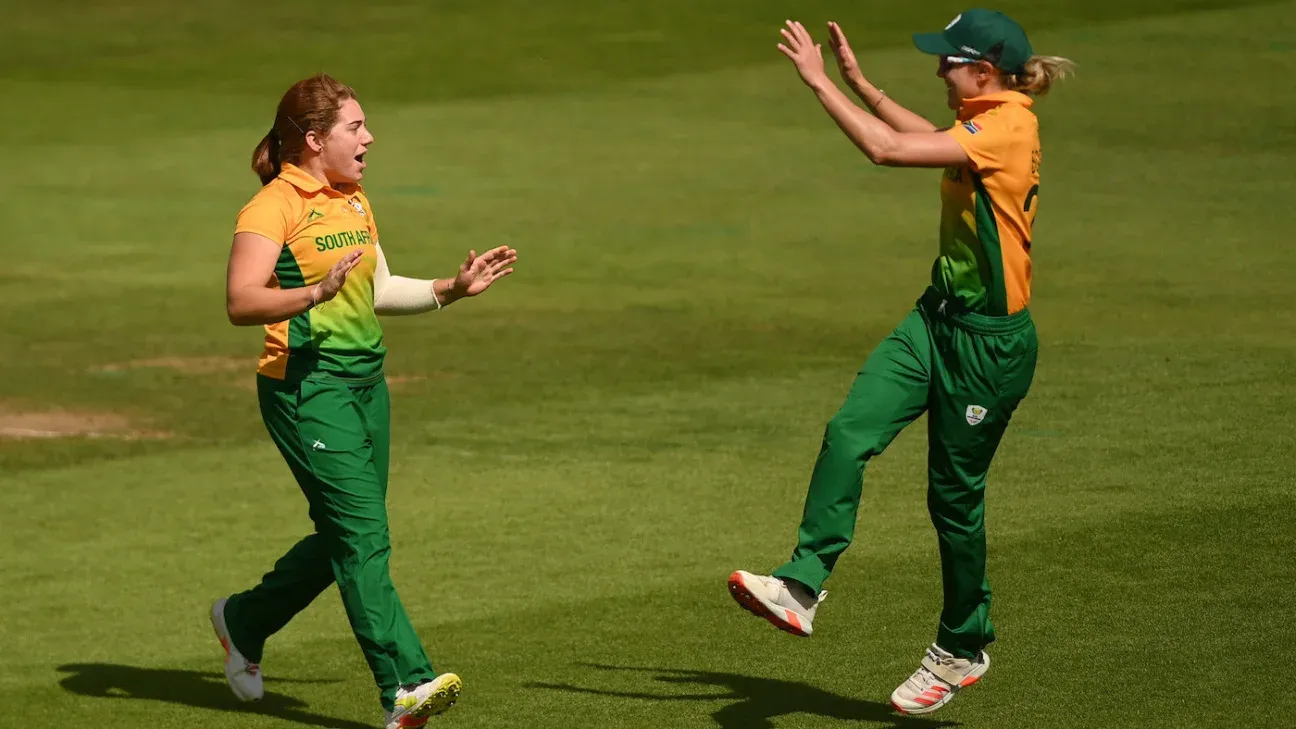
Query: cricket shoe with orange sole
point(243, 676)
point(940, 676)
point(788, 605)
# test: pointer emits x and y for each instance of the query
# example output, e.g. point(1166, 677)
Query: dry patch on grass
point(397, 382)
point(19, 423)
point(189, 365)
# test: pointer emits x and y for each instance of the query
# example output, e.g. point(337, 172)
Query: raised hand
point(805, 54)
point(846, 63)
point(477, 273)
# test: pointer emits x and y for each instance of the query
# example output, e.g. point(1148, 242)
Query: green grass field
point(582, 456)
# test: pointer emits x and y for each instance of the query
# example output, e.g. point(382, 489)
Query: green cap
point(980, 35)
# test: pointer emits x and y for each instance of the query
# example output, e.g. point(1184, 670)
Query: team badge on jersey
point(972, 127)
point(358, 207)
point(975, 414)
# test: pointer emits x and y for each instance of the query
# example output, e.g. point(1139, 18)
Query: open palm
point(804, 53)
point(477, 273)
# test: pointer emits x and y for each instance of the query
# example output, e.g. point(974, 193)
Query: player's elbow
point(239, 319)
point(896, 155)
point(237, 313)
point(885, 152)
point(882, 158)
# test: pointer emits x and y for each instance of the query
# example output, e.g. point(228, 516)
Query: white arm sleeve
point(397, 295)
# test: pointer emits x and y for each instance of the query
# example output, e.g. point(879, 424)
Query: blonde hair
point(1040, 73)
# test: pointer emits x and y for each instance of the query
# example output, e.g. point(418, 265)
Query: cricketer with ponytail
point(307, 266)
point(966, 353)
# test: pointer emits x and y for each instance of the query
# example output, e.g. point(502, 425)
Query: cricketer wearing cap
point(965, 355)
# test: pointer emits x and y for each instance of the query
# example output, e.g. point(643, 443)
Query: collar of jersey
point(978, 104)
point(306, 182)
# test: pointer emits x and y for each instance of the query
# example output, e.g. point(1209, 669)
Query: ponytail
point(266, 162)
point(1040, 73)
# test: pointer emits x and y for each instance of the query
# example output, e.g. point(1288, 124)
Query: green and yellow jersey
point(317, 225)
point(988, 207)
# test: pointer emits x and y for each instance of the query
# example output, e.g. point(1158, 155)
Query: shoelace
point(923, 679)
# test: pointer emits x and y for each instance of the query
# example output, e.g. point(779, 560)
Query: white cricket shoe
point(414, 704)
point(938, 678)
point(786, 604)
point(243, 676)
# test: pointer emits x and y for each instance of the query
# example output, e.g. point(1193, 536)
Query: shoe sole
point(947, 697)
point(222, 634)
point(444, 695)
point(756, 606)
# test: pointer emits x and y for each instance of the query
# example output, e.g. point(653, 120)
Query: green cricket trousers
point(968, 372)
point(334, 434)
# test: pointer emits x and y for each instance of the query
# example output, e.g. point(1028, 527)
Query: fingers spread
point(798, 39)
point(802, 34)
point(496, 255)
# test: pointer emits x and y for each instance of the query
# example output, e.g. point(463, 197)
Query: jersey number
point(1030, 197)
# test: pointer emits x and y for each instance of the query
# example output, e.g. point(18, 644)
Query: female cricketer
point(965, 355)
point(306, 264)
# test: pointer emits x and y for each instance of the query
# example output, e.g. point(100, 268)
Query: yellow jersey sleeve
point(268, 214)
point(986, 138)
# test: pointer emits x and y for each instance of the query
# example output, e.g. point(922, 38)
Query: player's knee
point(957, 521)
point(361, 545)
point(849, 433)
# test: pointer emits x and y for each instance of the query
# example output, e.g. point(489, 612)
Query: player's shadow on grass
point(190, 688)
point(758, 700)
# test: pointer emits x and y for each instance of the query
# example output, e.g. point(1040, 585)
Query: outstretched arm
point(398, 295)
point(882, 144)
point(884, 107)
